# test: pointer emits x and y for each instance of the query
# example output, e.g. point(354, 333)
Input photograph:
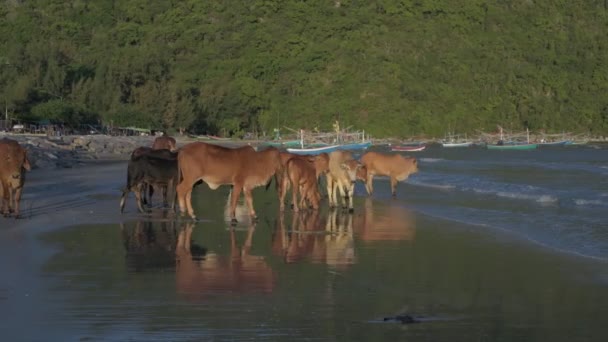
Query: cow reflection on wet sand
point(390, 222)
point(149, 245)
point(321, 238)
point(199, 276)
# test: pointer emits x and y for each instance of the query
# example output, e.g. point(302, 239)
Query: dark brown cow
point(395, 166)
point(242, 167)
point(165, 143)
point(13, 163)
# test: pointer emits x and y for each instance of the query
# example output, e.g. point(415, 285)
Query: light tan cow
point(343, 169)
point(395, 166)
point(165, 143)
point(242, 167)
point(13, 163)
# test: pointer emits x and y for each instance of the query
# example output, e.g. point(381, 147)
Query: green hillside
point(394, 68)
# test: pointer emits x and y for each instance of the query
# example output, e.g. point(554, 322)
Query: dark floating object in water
point(403, 319)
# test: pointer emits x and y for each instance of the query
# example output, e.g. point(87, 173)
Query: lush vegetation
point(391, 67)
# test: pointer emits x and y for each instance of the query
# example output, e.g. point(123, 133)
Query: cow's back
point(388, 164)
point(164, 142)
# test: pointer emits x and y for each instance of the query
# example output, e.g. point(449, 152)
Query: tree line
point(392, 67)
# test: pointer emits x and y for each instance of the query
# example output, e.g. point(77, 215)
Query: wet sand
point(76, 269)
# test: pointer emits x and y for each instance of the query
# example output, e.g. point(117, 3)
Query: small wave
point(544, 199)
point(431, 160)
point(586, 202)
point(445, 187)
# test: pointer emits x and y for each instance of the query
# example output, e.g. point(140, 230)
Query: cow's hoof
point(17, 217)
point(234, 221)
point(351, 210)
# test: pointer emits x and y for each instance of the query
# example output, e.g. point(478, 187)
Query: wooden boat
point(330, 148)
point(410, 148)
point(512, 147)
point(556, 143)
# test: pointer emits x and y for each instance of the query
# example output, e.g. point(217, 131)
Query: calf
point(301, 174)
point(341, 177)
point(150, 169)
point(13, 163)
point(242, 167)
point(306, 168)
point(148, 189)
point(395, 166)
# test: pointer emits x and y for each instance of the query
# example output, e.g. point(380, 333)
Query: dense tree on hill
point(391, 67)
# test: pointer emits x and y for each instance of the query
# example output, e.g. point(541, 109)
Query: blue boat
point(327, 149)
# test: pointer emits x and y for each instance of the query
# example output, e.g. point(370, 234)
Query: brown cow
point(395, 166)
point(303, 173)
point(242, 167)
point(165, 143)
point(341, 177)
point(13, 163)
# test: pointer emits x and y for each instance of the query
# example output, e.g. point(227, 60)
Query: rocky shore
point(68, 151)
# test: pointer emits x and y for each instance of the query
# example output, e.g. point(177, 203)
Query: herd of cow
point(166, 167)
point(244, 168)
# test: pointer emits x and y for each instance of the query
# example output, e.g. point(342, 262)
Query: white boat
point(457, 144)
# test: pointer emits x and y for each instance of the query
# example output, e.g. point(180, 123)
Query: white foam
point(545, 199)
point(584, 202)
point(431, 160)
point(445, 187)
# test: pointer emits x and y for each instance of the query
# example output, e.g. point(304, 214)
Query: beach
point(466, 249)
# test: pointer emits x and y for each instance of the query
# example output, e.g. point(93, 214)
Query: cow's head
point(351, 168)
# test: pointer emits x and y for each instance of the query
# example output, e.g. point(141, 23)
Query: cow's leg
point(189, 202)
point(343, 194)
point(369, 185)
point(394, 186)
point(351, 193)
point(138, 198)
point(4, 198)
point(236, 192)
point(17, 200)
point(180, 192)
point(165, 189)
point(249, 200)
point(282, 192)
point(331, 194)
point(149, 188)
point(295, 188)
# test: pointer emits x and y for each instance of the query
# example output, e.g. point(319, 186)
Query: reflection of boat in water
point(385, 222)
point(198, 276)
point(316, 237)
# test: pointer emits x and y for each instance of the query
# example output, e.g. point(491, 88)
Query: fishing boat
point(409, 148)
point(330, 148)
point(556, 143)
point(512, 147)
point(457, 144)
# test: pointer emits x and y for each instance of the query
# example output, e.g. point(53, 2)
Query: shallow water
point(480, 245)
point(314, 276)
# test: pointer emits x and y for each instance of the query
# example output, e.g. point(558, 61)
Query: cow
point(13, 164)
point(395, 166)
point(303, 171)
point(153, 168)
point(148, 189)
point(242, 167)
point(165, 143)
point(343, 169)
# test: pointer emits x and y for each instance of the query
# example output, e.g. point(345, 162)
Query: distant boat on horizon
point(330, 148)
point(409, 148)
